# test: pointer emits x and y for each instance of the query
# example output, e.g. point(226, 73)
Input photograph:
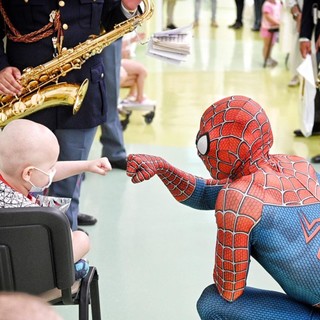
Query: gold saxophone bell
point(60, 94)
point(41, 88)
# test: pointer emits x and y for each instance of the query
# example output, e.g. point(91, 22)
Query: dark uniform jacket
point(80, 19)
point(308, 20)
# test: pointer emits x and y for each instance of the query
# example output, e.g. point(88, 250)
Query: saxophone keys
point(18, 107)
point(33, 84)
point(37, 99)
point(3, 117)
point(44, 78)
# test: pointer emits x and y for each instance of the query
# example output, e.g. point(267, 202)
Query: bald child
point(29, 163)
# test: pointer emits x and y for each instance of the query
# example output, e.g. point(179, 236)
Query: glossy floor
point(155, 256)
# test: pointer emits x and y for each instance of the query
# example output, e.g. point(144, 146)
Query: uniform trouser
point(240, 7)
point(111, 131)
point(197, 8)
point(254, 304)
point(74, 144)
point(170, 9)
point(257, 13)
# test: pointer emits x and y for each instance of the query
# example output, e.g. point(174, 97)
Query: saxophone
point(41, 88)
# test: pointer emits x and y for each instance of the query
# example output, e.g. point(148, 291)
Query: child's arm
point(275, 23)
point(65, 169)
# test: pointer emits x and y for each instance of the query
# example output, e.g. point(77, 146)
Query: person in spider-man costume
point(266, 206)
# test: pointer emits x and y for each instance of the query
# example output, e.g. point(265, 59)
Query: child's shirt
point(274, 10)
point(10, 198)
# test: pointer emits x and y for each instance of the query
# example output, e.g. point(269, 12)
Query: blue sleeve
point(204, 196)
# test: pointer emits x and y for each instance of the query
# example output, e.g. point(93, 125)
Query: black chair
point(36, 257)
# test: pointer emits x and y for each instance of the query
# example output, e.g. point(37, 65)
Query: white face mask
point(40, 189)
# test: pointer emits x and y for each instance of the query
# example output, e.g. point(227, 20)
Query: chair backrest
point(35, 250)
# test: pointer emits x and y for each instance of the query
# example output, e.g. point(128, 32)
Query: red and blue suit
point(266, 207)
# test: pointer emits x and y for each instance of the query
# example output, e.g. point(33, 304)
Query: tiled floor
point(155, 256)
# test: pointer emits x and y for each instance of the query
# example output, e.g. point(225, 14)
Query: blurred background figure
point(295, 59)
point(257, 15)
point(132, 72)
point(170, 13)
point(271, 14)
point(197, 7)
point(239, 14)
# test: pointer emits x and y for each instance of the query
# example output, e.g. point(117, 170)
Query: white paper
point(171, 45)
point(306, 70)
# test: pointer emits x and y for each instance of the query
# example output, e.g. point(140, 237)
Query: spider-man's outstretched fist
point(142, 167)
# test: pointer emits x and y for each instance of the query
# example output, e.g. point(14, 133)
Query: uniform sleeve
point(307, 24)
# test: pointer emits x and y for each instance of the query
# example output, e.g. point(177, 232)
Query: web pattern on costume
point(240, 137)
point(143, 167)
point(252, 192)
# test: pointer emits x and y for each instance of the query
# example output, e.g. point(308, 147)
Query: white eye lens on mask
point(34, 188)
point(203, 144)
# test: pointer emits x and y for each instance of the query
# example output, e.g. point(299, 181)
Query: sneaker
point(295, 81)
point(171, 26)
point(236, 25)
point(214, 24)
point(81, 269)
point(271, 63)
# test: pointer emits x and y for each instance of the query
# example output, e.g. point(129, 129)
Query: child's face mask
point(40, 189)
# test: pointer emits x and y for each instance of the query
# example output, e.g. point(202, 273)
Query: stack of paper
point(171, 45)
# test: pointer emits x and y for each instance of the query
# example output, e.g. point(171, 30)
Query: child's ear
point(26, 173)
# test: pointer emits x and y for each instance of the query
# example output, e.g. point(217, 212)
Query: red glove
point(141, 167)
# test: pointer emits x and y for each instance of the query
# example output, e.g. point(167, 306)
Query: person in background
point(132, 72)
point(197, 7)
point(171, 4)
point(29, 164)
point(271, 14)
point(239, 13)
point(111, 136)
point(35, 33)
point(257, 15)
point(310, 27)
point(295, 58)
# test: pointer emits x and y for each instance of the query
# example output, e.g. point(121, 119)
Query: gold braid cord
point(46, 31)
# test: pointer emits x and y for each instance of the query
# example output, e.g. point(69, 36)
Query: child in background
point(28, 163)
point(132, 72)
point(271, 13)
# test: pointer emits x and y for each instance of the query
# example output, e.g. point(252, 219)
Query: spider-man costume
point(266, 206)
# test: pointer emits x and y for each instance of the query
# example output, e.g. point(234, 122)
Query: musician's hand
point(131, 4)
point(101, 166)
point(9, 81)
point(305, 48)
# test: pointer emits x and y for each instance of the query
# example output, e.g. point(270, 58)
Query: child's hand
point(100, 166)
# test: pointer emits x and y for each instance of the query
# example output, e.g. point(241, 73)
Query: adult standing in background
point(197, 7)
point(239, 11)
point(72, 23)
point(295, 58)
point(257, 15)
point(171, 4)
point(111, 131)
point(310, 25)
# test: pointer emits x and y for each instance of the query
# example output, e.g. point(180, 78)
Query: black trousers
point(240, 6)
